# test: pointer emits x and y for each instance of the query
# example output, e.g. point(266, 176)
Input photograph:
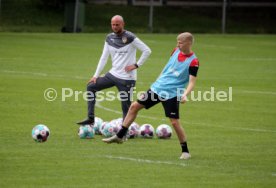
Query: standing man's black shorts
point(171, 106)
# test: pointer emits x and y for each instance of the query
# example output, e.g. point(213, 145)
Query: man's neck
point(187, 51)
point(120, 32)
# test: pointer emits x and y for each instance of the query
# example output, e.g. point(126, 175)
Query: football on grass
point(110, 129)
point(86, 131)
point(40, 133)
point(97, 125)
point(164, 131)
point(133, 130)
point(146, 131)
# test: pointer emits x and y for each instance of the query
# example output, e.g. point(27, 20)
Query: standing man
point(180, 70)
point(121, 45)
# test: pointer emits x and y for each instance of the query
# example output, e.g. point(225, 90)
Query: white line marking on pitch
point(239, 128)
point(145, 160)
point(29, 73)
point(254, 59)
point(218, 46)
point(44, 74)
point(259, 92)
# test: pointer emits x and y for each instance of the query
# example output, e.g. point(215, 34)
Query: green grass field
point(232, 143)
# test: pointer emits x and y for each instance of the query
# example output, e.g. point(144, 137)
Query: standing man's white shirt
point(122, 49)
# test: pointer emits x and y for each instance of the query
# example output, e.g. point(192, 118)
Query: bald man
point(121, 45)
point(169, 89)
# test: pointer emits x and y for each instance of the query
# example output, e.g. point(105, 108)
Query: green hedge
point(48, 16)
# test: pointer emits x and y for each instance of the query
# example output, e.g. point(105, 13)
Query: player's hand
point(93, 80)
point(183, 99)
point(130, 68)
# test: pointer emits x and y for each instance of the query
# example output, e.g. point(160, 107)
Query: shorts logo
point(124, 39)
point(173, 113)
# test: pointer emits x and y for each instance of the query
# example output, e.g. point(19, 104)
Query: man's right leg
point(147, 100)
point(132, 113)
point(130, 117)
point(101, 83)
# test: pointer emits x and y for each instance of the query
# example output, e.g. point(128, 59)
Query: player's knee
point(135, 106)
point(175, 122)
point(91, 87)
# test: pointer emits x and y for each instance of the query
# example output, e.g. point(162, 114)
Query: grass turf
point(232, 143)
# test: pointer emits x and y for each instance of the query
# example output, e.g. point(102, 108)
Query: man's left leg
point(171, 107)
point(181, 137)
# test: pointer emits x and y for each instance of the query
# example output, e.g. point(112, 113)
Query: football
point(164, 131)
point(118, 122)
point(146, 131)
point(102, 127)
point(97, 125)
point(110, 129)
point(86, 131)
point(133, 130)
point(40, 133)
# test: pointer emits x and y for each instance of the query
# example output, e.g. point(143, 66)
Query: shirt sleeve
point(194, 66)
point(144, 49)
point(102, 61)
point(194, 63)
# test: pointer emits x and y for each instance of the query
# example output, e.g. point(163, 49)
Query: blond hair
point(186, 36)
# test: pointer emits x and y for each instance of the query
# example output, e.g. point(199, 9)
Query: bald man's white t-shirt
point(122, 49)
